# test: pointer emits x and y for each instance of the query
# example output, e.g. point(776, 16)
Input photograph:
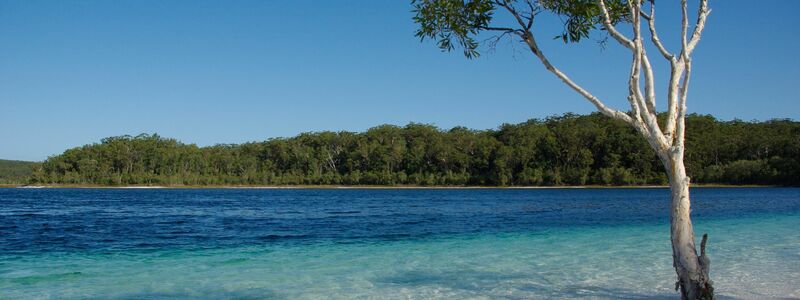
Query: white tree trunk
point(692, 270)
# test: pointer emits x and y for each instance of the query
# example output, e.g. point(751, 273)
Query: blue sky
point(206, 72)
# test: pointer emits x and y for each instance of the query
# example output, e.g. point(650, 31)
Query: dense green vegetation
point(561, 150)
point(14, 171)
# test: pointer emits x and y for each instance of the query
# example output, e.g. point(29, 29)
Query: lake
point(387, 243)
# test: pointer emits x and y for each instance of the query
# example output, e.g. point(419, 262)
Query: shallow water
point(387, 244)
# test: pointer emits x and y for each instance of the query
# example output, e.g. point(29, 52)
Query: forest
point(16, 172)
point(557, 151)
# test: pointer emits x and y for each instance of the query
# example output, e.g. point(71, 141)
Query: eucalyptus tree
point(458, 23)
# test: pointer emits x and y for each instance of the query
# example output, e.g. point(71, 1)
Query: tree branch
point(680, 132)
point(644, 106)
point(505, 29)
point(651, 24)
point(613, 30)
point(613, 113)
point(533, 14)
point(634, 94)
point(516, 15)
point(676, 71)
point(494, 40)
point(677, 94)
point(702, 15)
point(649, 78)
point(674, 92)
point(528, 38)
point(684, 29)
point(649, 83)
point(633, 89)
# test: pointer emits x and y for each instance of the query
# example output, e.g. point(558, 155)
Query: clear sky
point(206, 72)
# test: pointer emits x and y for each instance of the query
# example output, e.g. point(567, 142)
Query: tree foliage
point(454, 23)
point(560, 150)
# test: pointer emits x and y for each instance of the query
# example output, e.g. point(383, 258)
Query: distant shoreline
point(391, 187)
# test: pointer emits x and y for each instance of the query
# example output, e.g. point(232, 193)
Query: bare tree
point(459, 21)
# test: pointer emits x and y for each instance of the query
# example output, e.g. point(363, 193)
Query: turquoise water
point(754, 256)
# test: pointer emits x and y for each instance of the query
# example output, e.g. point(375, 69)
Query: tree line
point(560, 150)
point(16, 172)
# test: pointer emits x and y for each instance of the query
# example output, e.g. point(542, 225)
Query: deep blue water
point(118, 219)
point(386, 243)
